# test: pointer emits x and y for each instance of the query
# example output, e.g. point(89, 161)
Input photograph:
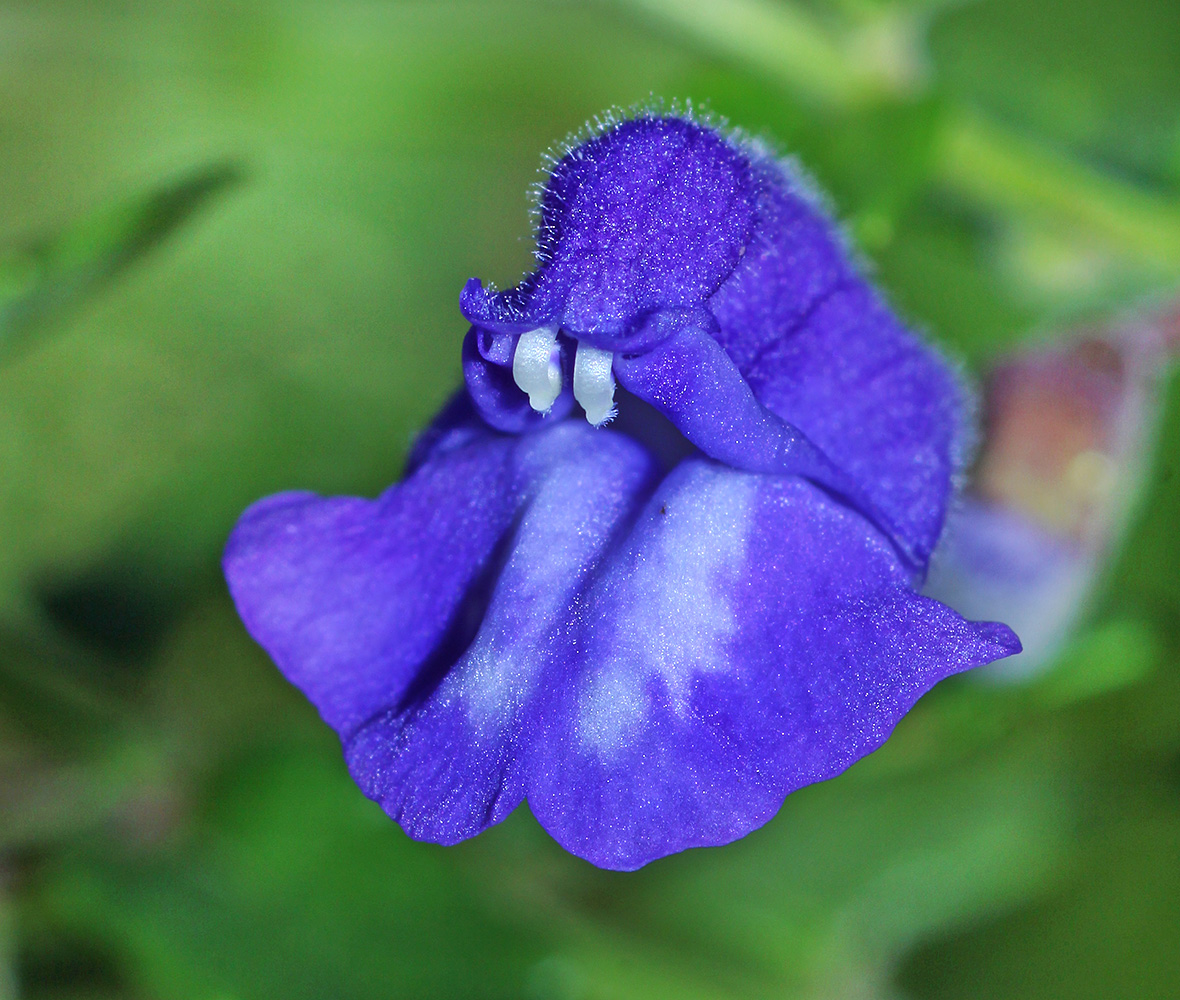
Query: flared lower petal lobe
point(751, 637)
point(654, 664)
point(354, 598)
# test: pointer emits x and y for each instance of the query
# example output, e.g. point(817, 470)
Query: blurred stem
point(988, 164)
point(977, 159)
point(782, 40)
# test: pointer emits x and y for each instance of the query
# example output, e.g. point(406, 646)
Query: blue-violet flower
point(657, 629)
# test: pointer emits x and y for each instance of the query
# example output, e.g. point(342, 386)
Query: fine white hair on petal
point(594, 385)
point(654, 107)
point(536, 367)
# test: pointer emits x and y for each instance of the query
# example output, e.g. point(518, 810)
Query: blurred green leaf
point(8, 983)
point(1100, 81)
point(1108, 656)
point(1022, 177)
point(1109, 933)
point(296, 886)
point(296, 882)
point(936, 269)
point(41, 280)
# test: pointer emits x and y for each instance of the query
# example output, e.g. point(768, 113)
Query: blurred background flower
point(1068, 429)
point(232, 238)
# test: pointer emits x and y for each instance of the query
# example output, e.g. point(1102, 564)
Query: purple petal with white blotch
point(452, 759)
point(418, 623)
point(750, 637)
point(654, 664)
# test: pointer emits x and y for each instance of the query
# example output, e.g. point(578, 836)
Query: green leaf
point(43, 279)
point(1106, 657)
point(295, 886)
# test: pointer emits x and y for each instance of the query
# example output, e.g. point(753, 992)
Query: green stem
point(979, 160)
point(781, 40)
point(1015, 176)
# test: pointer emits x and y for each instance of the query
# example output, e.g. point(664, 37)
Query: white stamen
point(536, 367)
point(594, 385)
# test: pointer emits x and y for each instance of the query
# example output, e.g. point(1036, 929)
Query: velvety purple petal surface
point(353, 597)
point(750, 637)
point(653, 214)
point(654, 664)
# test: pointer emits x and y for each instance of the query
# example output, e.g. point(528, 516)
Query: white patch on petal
point(674, 612)
point(495, 683)
point(614, 700)
point(567, 522)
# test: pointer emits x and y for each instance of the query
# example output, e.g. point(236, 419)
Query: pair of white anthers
point(536, 368)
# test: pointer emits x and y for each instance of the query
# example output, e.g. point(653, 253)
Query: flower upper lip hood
point(653, 215)
point(655, 630)
point(729, 301)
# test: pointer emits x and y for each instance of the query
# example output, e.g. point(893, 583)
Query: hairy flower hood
point(655, 622)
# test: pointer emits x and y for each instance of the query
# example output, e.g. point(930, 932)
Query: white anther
point(536, 367)
point(594, 385)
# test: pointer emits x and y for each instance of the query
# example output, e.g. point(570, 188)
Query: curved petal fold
point(694, 382)
point(821, 350)
point(882, 405)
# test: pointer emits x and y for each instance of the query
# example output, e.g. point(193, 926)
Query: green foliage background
point(232, 237)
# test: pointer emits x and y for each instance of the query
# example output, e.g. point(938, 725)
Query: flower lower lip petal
point(594, 385)
point(536, 367)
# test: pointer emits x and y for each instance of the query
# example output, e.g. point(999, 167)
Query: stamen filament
point(594, 385)
point(536, 367)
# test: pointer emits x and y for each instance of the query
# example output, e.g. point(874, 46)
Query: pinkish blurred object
point(1069, 426)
